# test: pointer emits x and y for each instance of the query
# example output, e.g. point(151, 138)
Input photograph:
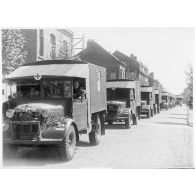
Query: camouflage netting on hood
point(48, 115)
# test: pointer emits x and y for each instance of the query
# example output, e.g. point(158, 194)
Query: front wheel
point(95, 135)
point(9, 151)
point(68, 145)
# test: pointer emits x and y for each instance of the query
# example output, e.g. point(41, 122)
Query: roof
point(54, 68)
point(120, 84)
point(131, 63)
point(96, 54)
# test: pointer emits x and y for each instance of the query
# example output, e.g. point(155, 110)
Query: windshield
point(120, 94)
point(44, 89)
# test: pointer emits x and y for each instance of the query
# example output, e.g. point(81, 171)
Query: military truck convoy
point(59, 100)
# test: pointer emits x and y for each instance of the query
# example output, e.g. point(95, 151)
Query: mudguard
point(58, 132)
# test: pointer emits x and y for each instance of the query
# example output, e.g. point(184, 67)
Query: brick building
point(44, 44)
point(96, 54)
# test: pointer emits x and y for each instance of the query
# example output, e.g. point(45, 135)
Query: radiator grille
point(26, 130)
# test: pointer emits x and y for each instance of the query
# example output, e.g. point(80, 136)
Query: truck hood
point(39, 107)
point(116, 102)
point(27, 112)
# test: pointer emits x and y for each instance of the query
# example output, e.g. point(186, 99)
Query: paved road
point(164, 141)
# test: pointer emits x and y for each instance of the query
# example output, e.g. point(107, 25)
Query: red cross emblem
point(37, 76)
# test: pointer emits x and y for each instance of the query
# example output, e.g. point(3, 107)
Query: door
point(80, 113)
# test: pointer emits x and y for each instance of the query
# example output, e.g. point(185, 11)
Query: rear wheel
point(110, 122)
point(148, 114)
point(152, 113)
point(95, 135)
point(135, 118)
point(128, 122)
point(68, 146)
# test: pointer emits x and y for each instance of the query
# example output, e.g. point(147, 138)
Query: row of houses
point(44, 44)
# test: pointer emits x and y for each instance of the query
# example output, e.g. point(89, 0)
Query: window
point(67, 89)
point(41, 43)
point(132, 94)
point(122, 73)
point(52, 89)
point(53, 46)
point(28, 90)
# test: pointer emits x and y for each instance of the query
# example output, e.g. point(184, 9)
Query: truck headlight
point(10, 113)
point(45, 114)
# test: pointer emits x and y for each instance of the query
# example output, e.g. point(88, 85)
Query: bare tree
point(189, 76)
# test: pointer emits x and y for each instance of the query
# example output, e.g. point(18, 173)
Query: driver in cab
point(78, 91)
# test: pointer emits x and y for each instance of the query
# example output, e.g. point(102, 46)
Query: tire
point(67, 147)
point(102, 120)
point(134, 117)
point(110, 122)
point(95, 135)
point(9, 151)
point(148, 114)
point(128, 122)
point(152, 113)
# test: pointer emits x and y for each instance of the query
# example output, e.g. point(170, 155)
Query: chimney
point(90, 42)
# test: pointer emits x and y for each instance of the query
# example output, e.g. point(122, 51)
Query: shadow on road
point(169, 123)
point(119, 127)
point(177, 114)
point(37, 156)
point(171, 117)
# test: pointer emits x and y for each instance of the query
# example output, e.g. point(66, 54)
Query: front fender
point(58, 132)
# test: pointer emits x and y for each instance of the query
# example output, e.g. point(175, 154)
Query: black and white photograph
point(98, 97)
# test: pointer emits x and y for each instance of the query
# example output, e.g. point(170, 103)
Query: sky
point(166, 51)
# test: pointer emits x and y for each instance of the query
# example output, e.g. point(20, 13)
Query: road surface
point(164, 141)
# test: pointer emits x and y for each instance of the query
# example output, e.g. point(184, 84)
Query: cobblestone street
point(164, 141)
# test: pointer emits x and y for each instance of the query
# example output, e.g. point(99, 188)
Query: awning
point(121, 84)
point(50, 70)
point(146, 89)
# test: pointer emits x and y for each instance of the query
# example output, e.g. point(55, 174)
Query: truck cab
point(56, 102)
point(121, 102)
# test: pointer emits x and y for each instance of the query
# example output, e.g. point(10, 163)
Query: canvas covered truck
point(165, 100)
point(56, 102)
point(121, 105)
point(178, 100)
point(147, 101)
